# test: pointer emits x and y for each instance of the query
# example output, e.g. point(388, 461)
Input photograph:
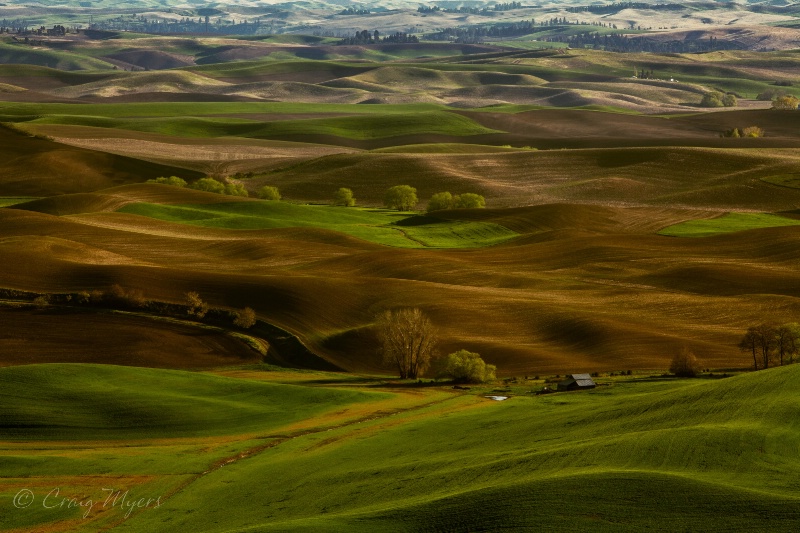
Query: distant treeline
point(470, 10)
point(354, 11)
point(619, 6)
point(478, 34)
point(219, 25)
point(622, 43)
point(367, 37)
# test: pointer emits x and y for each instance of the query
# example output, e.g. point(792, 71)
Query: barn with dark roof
point(576, 382)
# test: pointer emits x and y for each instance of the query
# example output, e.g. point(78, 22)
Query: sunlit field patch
point(728, 223)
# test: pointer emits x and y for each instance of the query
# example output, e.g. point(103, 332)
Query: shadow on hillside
point(419, 220)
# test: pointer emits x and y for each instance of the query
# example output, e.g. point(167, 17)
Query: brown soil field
point(38, 167)
point(704, 178)
point(584, 288)
point(31, 336)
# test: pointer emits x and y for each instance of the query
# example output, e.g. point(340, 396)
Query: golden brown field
point(587, 285)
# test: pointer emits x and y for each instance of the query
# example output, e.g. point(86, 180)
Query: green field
point(390, 228)
point(360, 127)
point(13, 200)
point(784, 180)
point(728, 223)
point(634, 454)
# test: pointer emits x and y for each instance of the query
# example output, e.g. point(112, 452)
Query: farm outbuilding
point(576, 382)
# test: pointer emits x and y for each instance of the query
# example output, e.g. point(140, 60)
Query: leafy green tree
point(208, 185)
point(685, 364)
point(401, 197)
point(712, 99)
point(439, 201)
point(344, 196)
point(268, 192)
point(729, 100)
point(470, 201)
point(408, 339)
point(236, 189)
point(175, 181)
point(468, 367)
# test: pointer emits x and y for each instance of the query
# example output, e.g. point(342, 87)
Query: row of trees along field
point(408, 341)
point(404, 198)
point(772, 343)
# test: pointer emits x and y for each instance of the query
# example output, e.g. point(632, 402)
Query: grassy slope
point(353, 127)
point(75, 402)
point(23, 54)
point(372, 225)
point(708, 456)
point(727, 223)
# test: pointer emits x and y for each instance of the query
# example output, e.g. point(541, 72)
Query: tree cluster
point(467, 367)
point(209, 184)
point(445, 200)
point(408, 341)
point(718, 99)
point(616, 7)
point(615, 42)
point(173, 181)
point(750, 131)
point(364, 37)
point(268, 192)
point(131, 298)
point(786, 103)
point(354, 11)
point(475, 34)
point(771, 343)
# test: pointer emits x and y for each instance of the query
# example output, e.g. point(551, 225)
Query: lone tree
point(468, 367)
point(408, 339)
point(344, 196)
point(401, 197)
point(195, 305)
point(245, 318)
point(685, 364)
point(268, 192)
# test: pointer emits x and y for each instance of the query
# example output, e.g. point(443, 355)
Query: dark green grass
point(361, 127)
point(374, 225)
point(25, 54)
point(199, 109)
point(728, 223)
point(84, 402)
point(13, 200)
point(686, 456)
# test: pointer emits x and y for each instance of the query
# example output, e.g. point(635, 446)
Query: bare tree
point(408, 340)
point(749, 343)
point(761, 340)
point(685, 364)
point(787, 340)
